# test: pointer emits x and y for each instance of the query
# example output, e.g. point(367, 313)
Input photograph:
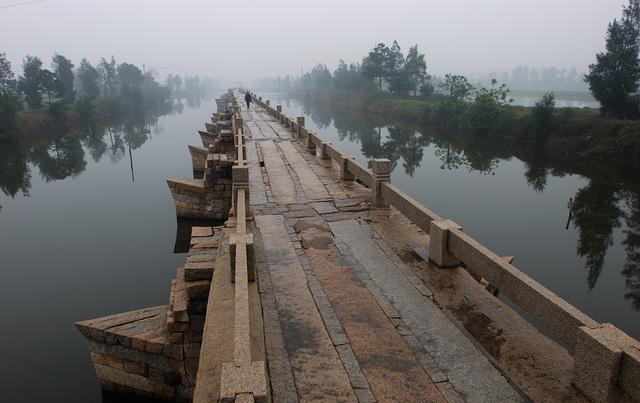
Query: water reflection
point(631, 244)
point(610, 200)
point(15, 175)
point(62, 154)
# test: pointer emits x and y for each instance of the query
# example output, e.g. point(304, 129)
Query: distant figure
point(248, 99)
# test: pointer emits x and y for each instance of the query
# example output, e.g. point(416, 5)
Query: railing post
point(439, 243)
point(240, 177)
point(268, 102)
point(597, 362)
point(345, 175)
point(310, 145)
point(238, 124)
point(323, 151)
point(381, 168)
point(278, 111)
point(300, 121)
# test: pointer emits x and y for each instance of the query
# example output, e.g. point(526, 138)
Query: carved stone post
point(439, 243)
point(345, 175)
point(381, 173)
point(240, 176)
point(323, 151)
point(300, 120)
point(310, 145)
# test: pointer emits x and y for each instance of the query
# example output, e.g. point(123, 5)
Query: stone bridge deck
point(344, 308)
point(344, 314)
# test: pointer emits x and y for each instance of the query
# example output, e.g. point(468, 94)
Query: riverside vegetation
point(389, 83)
point(42, 101)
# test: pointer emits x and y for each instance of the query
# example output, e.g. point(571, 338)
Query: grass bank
point(565, 132)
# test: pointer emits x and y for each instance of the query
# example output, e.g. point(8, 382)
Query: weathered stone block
point(122, 378)
point(597, 363)
point(438, 243)
point(198, 289)
point(250, 379)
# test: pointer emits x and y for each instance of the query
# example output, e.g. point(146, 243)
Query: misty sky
point(240, 40)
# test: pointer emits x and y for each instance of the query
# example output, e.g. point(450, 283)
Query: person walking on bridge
point(248, 99)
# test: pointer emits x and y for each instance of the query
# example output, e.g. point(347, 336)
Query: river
point(513, 199)
point(87, 229)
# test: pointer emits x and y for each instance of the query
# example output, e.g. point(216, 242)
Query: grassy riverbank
point(567, 131)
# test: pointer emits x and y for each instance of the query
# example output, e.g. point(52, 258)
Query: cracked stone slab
point(467, 369)
point(317, 369)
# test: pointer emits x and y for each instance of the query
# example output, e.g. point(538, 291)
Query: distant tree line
point(384, 68)
point(108, 88)
point(190, 86)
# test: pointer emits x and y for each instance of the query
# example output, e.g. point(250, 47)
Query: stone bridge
point(328, 283)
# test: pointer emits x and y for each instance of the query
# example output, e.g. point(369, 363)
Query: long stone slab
point(317, 369)
point(258, 194)
point(311, 184)
point(267, 131)
point(280, 131)
point(217, 336)
point(388, 363)
point(467, 369)
point(282, 187)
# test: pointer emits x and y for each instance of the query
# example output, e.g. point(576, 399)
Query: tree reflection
point(597, 210)
point(596, 214)
point(63, 155)
point(631, 271)
point(15, 174)
point(59, 160)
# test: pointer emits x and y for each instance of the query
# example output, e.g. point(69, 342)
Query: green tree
point(8, 97)
point(8, 84)
point(374, 66)
point(415, 69)
point(456, 87)
point(108, 71)
point(318, 77)
point(348, 77)
point(50, 85)
point(631, 13)
point(613, 79)
point(63, 69)
point(129, 78)
point(31, 81)
point(394, 71)
point(88, 79)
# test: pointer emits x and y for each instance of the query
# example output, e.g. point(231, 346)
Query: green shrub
point(542, 116)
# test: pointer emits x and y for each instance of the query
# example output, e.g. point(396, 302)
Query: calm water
point(514, 201)
point(82, 236)
point(79, 239)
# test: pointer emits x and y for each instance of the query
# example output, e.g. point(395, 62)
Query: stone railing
point(606, 360)
point(242, 380)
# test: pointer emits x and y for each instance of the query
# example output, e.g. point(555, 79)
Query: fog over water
point(250, 39)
